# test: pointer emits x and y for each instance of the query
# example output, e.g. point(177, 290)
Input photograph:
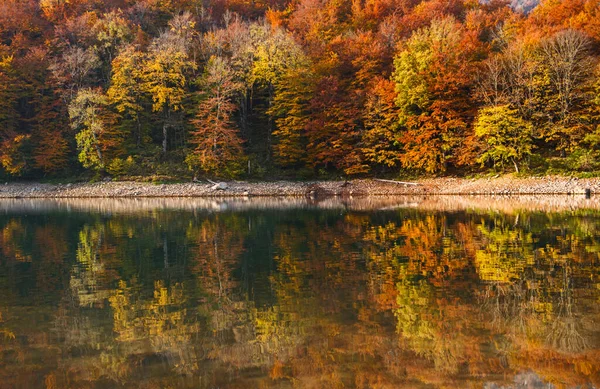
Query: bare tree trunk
point(164, 143)
point(166, 128)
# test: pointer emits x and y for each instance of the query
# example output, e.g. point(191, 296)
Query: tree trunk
point(166, 128)
point(516, 166)
point(164, 143)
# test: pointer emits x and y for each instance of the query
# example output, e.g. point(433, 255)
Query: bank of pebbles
point(368, 187)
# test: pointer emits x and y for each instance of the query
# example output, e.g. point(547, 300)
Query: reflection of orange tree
point(323, 331)
point(312, 315)
point(54, 243)
point(219, 244)
point(11, 241)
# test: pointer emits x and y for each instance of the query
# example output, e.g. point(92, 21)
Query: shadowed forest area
point(410, 298)
point(297, 88)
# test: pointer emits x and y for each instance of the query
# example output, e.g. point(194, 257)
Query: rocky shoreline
point(313, 189)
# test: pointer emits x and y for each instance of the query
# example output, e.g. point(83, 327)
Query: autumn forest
point(298, 88)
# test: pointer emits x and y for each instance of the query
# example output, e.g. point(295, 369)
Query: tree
point(97, 140)
point(381, 142)
point(275, 53)
point(432, 76)
point(13, 143)
point(51, 148)
point(164, 73)
point(112, 31)
point(507, 136)
point(291, 110)
point(218, 148)
point(567, 61)
point(126, 92)
point(75, 70)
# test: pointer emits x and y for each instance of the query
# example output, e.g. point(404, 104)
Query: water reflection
point(387, 293)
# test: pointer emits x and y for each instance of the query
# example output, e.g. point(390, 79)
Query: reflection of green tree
point(505, 253)
point(427, 327)
point(539, 311)
point(85, 277)
point(161, 323)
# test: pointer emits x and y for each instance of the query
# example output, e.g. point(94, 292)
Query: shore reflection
point(438, 292)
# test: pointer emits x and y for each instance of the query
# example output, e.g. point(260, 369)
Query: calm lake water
point(379, 293)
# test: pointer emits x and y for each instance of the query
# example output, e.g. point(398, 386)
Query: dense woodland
point(297, 88)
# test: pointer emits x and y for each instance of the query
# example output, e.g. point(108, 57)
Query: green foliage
point(290, 109)
point(507, 137)
point(97, 139)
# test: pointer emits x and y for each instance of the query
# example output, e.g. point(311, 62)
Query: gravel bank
point(318, 189)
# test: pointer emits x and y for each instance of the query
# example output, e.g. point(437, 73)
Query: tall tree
point(568, 65)
point(291, 110)
point(507, 137)
point(13, 157)
point(97, 139)
point(164, 73)
point(218, 148)
point(126, 91)
point(381, 140)
point(432, 75)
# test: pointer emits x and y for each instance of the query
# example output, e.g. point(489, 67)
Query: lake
point(424, 292)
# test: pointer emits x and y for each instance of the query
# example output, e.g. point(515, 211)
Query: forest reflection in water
point(387, 293)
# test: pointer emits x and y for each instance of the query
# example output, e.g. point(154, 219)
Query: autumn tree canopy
point(322, 88)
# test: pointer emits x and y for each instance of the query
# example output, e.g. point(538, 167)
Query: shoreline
point(505, 204)
point(506, 185)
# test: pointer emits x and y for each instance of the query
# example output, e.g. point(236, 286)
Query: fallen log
point(218, 185)
point(398, 182)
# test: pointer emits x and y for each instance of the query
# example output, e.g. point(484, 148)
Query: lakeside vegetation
point(297, 88)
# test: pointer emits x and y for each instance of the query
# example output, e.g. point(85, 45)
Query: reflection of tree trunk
point(218, 262)
point(564, 333)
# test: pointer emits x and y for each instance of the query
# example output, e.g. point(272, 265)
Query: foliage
point(325, 87)
point(507, 137)
point(432, 79)
point(218, 148)
point(96, 139)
